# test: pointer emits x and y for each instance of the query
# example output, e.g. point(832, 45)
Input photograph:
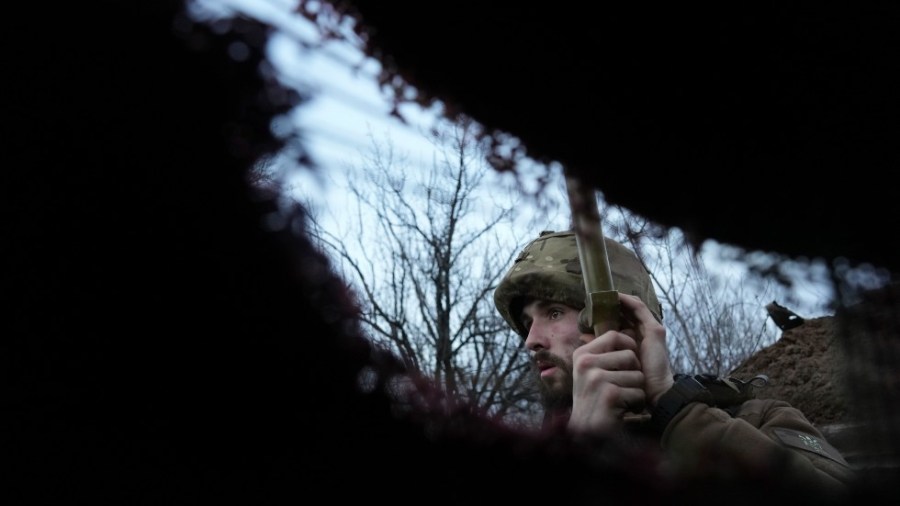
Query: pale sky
point(348, 106)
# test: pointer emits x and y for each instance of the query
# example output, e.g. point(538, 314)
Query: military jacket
point(759, 435)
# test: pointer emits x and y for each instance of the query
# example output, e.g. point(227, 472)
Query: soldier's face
point(553, 336)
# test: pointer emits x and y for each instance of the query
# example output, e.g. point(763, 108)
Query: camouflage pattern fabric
point(549, 269)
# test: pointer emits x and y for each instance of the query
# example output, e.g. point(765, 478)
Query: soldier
point(621, 382)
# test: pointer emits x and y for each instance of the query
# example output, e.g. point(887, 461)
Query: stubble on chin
point(556, 390)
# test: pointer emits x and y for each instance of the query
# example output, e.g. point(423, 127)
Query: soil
point(806, 368)
point(841, 372)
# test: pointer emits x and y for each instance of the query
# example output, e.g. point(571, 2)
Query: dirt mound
point(806, 368)
point(840, 371)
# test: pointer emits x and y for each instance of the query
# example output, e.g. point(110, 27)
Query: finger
point(621, 367)
point(610, 341)
point(626, 398)
point(633, 399)
point(624, 361)
point(634, 309)
point(626, 379)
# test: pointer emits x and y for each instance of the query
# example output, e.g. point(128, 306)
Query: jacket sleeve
point(764, 438)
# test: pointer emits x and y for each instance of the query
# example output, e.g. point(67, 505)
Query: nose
point(536, 338)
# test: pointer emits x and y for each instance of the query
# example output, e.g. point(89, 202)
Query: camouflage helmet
point(549, 269)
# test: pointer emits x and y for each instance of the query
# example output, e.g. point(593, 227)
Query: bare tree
point(714, 323)
point(425, 257)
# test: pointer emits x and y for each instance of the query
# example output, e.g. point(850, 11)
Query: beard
point(556, 394)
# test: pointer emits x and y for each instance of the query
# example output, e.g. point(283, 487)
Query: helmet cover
point(549, 269)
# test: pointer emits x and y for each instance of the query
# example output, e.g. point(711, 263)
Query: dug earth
point(837, 370)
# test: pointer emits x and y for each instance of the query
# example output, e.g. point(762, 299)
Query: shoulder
point(789, 426)
point(763, 413)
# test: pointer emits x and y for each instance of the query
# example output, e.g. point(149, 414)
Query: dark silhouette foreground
point(168, 341)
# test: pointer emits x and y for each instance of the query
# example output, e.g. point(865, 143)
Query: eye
point(554, 313)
